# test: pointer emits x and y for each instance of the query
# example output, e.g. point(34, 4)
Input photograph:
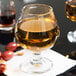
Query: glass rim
point(29, 5)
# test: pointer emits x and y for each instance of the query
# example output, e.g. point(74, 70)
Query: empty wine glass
point(36, 30)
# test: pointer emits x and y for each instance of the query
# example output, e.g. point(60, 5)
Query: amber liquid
point(71, 10)
point(36, 34)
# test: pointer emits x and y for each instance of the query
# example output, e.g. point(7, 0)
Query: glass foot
point(38, 68)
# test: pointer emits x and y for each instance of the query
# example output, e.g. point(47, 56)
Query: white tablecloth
point(60, 64)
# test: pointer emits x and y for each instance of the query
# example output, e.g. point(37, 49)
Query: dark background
point(62, 45)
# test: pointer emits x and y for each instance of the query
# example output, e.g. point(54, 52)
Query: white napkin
point(60, 64)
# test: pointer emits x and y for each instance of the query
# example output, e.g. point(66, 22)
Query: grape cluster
point(8, 54)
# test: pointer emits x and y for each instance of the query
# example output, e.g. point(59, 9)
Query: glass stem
point(36, 60)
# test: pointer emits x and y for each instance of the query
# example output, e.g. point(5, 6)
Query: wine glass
point(36, 30)
point(70, 9)
point(7, 21)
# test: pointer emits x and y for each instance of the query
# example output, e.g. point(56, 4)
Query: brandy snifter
point(37, 30)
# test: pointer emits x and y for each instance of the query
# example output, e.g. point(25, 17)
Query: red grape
point(11, 46)
point(7, 55)
point(0, 54)
point(2, 68)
